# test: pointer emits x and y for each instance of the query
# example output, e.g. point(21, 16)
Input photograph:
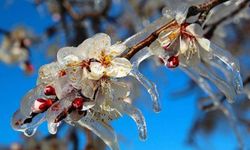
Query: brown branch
point(204, 7)
point(148, 40)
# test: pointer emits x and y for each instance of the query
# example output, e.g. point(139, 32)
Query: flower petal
point(195, 30)
point(100, 42)
point(97, 71)
point(48, 73)
point(83, 49)
point(88, 105)
point(88, 87)
point(120, 89)
point(70, 59)
point(184, 47)
point(120, 67)
point(116, 49)
point(204, 43)
point(64, 52)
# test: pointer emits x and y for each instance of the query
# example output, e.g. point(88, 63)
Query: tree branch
point(147, 41)
point(204, 7)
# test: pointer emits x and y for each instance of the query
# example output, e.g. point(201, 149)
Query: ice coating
point(29, 99)
point(221, 84)
point(104, 131)
point(231, 63)
point(202, 83)
point(26, 125)
point(135, 114)
point(149, 86)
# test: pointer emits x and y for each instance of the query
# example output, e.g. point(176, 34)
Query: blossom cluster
point(82, 88)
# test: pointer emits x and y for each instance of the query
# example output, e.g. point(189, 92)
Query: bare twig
point(204, 7)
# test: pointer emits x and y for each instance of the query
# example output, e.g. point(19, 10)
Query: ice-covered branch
point(204, 7)
point(212, 27)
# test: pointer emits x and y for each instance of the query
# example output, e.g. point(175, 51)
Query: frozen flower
point(183, 43)
point(41, 104)
point(97, 57)
point(73, 90)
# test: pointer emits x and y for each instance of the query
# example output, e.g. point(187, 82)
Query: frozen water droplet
point(30, 132)
point(52, 127)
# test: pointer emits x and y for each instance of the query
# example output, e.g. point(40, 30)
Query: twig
point(147, 41)
point(204, 7)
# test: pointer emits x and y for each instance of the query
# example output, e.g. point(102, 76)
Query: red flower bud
point(78, 103)
point(49, 90)
point(173, 62)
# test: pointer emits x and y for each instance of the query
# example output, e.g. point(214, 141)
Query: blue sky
point(166, 130)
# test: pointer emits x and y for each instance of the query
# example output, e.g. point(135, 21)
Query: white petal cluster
point(183, 44)
point(81, 88)
point(98, 57)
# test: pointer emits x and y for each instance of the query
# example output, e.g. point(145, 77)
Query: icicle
point(135, 114)
point(104, 131)
point(231, 63)
point(52, 127)
point(150, 86)
point(202, 82)
point(221, 84)
point(29, 132)
point(233, 79)
point(216, 63)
